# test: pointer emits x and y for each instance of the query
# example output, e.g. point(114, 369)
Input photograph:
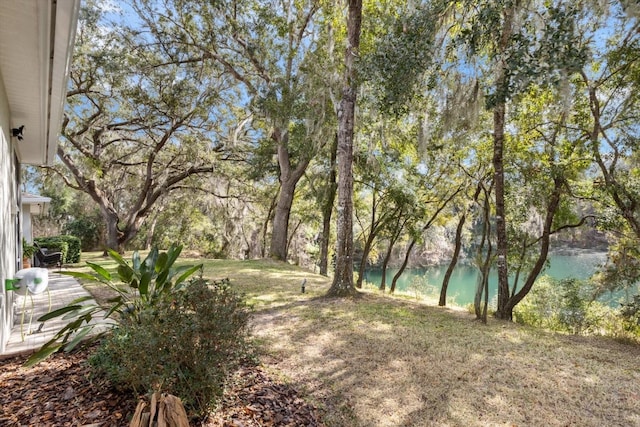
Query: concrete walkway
point(63, 290)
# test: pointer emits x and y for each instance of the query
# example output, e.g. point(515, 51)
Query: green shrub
point(567, 306)
point(184, 345)
point(86, 229)
point(68, 245)
point(540, 307)
point(139, 285)
point(630, 314)
point(575, 299)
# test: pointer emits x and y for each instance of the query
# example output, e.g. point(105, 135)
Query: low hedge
point(70, 246)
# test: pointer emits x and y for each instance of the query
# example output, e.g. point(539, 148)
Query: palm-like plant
point(139, 285)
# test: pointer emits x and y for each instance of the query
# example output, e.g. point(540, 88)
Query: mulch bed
point(254, 399)
point(61, 392)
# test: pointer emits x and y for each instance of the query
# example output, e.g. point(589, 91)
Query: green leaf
point(90, 308)
point(114, 308)
point(125, 273)
point(81, 299)
point(162, 262)
point(188, 272)
point(116, 257)
point(44, 352)
point(59, 312)
point(100, 270)
point(135, 260)
point(173, 253)
point(144, 283)
point(162, 278)
point(151, 260)
point(80, 275)
point(76, 340)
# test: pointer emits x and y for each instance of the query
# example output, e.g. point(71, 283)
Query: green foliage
point(568, 306)
point(420, 286)
point(185, 344)
point(86, 229)
point(544, 49)
point(27, 250)
point(68, 245)
point(139, 285)
point(574, 305)
point(622, 270)
point(630, 313)
point(402, 56)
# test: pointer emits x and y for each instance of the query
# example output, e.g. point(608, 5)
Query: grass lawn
point(384, 361)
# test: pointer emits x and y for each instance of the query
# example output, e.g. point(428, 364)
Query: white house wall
point(36, 46)
point(9, 215)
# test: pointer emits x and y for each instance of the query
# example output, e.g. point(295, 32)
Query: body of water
point(462, 285)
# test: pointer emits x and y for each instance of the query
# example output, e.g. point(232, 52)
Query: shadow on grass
point(377, 361)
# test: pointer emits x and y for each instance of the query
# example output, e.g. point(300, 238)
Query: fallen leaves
point(254, 399)
point(61, 392)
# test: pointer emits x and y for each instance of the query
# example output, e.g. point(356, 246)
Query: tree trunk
point(280, 228)
point(288, 180)
point(113, 233)
point(552, 209)
point(498, 165)
point(484, 264)
point(403, 266)
point(454, 260)
point(392, 241)
point(265, 225)
point(385, 262)
point(430, 222)
point(365, 254)
point(150, 234)
point(373, 231)
point(327, 210)
point(501, 227)
point(343, 278)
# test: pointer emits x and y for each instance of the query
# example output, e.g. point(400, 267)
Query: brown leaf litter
point(61, 392)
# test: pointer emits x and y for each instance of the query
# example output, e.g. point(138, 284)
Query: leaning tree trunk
point(402, 267)
point(454, 260)
point(327, 210)
point(365, 255)
point(392, 241)
point(456, 252)
point(552, 209)
point(343, 278)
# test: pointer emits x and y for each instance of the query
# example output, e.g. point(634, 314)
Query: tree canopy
point(341, 136)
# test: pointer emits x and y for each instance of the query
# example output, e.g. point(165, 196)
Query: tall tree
point(526, 43)
point(342, 284)
point(328, 201)
point(272, 51)
point(132, 132)
point(608, 89)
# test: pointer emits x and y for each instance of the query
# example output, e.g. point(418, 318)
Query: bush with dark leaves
point(185, 345)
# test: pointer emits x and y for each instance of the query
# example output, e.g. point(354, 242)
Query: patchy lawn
point(383, 361)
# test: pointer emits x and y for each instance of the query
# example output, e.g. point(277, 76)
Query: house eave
point(36, 47)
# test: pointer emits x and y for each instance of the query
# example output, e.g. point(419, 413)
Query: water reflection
point(462, 284)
